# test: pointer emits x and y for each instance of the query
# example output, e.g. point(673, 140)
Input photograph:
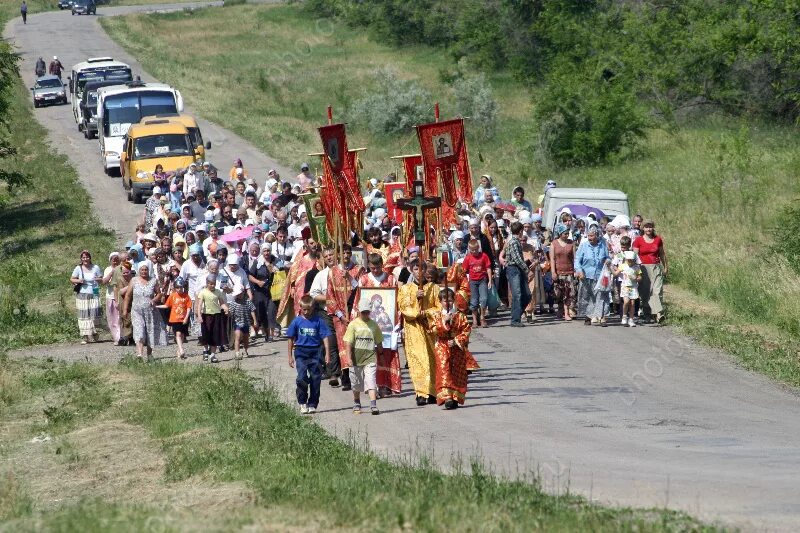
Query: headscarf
point(560, 228)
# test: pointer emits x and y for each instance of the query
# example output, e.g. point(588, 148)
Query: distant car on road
point(65, 4)
point(84, 7)
point(48, 90)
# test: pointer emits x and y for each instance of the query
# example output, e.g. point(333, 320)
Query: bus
point(94, 69)
point(119, 106)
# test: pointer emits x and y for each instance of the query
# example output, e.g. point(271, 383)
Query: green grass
point(713, 185)
point(214, 429)
point(45, 226)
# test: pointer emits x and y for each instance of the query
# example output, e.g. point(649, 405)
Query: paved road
point(75, 38)
point(638, 417)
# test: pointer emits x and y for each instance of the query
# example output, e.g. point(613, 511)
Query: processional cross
point(418, 202)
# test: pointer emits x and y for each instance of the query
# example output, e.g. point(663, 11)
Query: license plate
point(49, 97)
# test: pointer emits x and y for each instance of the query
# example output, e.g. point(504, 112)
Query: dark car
point(65, 4)
point(48, 90)
point(84, 7)
point(88, 106)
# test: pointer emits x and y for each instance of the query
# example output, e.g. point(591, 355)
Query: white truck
point(610, 201)
point(119, 106)
point(94, 69)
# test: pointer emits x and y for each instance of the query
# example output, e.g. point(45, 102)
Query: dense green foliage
point(668, 57)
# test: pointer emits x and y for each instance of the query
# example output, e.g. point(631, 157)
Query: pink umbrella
point(238, 235)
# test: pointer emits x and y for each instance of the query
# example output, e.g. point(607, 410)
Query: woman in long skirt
point(86, 278)
point(148, 326)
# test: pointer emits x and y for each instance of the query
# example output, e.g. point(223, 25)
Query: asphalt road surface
point(74, 39)
point(640, 417)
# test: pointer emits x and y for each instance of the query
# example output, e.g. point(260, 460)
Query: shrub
point(393, 105)
point(474, 99)
point(787, 235)
point(585, 118)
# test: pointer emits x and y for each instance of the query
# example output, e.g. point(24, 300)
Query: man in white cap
point(305, 178)
point(151, 206)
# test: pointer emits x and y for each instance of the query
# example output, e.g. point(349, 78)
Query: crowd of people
point(230, 260)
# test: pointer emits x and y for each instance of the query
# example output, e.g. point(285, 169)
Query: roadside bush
point(393, 105)
point(787, 235)
point(585, 119)
point(474, 99)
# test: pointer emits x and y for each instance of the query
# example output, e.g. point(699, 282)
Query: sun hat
point(149, 237)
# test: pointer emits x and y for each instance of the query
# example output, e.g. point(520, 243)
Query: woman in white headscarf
point(479, 196)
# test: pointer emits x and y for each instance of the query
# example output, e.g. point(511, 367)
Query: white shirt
point(296, 231)
point(319, 287)
point(191, 273)
point(191, 181)
point(283, 253)
point(238, 281)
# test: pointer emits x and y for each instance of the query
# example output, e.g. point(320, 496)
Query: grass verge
point(713, 185)
point(45, 226)
point(195, 437)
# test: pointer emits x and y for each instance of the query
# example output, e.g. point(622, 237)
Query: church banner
point(445, 159)
point(341, 164)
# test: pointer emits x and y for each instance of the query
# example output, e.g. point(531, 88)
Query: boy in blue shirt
point(307, 333)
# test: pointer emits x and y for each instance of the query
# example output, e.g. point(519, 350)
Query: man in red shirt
point(478, 266)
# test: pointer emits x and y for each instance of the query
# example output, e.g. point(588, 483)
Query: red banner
point(410, 164)
point(393, 191)
point(445, 158)
point(341, 164)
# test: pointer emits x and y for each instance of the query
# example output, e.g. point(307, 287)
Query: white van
point(94, 69)
point(119, 106)
point(610, 201)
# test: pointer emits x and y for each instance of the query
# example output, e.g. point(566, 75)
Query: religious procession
point(361, 280)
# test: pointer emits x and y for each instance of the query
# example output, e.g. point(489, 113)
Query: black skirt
point(212, 330)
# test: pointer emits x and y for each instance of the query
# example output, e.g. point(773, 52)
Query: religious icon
point(317, 219)
point(442, 145)
point(333, 150)
point(359, 256)
point(383, 307)
point(394, 191)
point(420, 172)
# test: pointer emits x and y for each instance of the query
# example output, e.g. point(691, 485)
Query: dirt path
point(638, 417)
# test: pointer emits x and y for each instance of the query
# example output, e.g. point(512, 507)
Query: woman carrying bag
point(85, 281)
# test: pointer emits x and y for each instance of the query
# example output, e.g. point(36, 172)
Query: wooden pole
point(330, 114)
point(436, 111)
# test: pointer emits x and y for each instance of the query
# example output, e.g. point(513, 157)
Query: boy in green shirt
point(362, 338)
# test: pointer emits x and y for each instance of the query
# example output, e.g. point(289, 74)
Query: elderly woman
point(148, 328)
point(650, 248)
point(562, 269)
point(590, 258)
point(86, 279)
point(479, 196)
point(260, 273)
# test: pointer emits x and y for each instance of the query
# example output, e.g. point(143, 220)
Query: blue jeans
point(478, 294)
point(309, 375)
point(519, 293)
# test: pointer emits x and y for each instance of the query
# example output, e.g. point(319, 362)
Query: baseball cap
point(233, 259)
point(156, 190)
point(364, 306)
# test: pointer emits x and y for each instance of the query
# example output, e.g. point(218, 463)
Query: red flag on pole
point(444, 154)
point(340, 163)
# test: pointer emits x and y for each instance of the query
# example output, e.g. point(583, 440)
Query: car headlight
point(61, 93)
point(142, 175)
point(92, 119)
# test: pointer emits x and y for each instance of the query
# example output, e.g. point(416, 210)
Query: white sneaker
point(312, 410)
point(624, 321)
point(303, 409)
point(631, 323)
